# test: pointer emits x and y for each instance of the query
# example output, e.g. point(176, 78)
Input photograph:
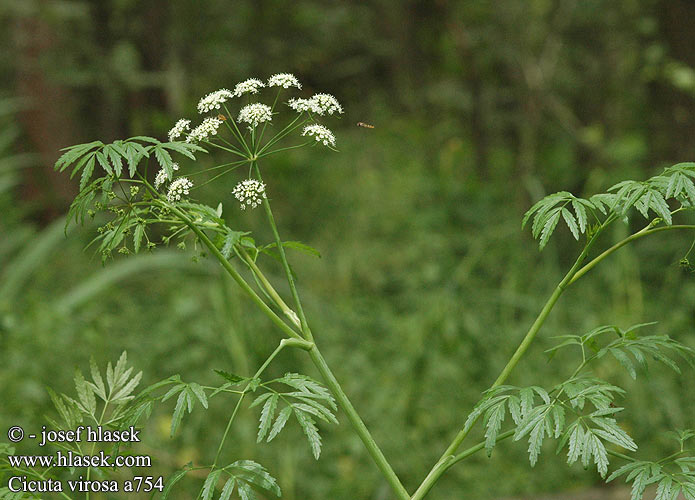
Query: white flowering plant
point(581, 413)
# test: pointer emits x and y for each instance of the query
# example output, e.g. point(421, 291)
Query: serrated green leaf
point(200, 394)
point(548, 229)
point(251, 472)
point(209, 485)
point(124, 393)
point(230, 377)
point(536, 441)
point(576, 443)
point(260, 399)
point(179, 410)
point(625, 361)
point(494, 419)
point(580, 211)
point(571, 223)
point(280, 422)
point(312, 434)
point(138, 234)
point(228, 489)
point(87, 171)
point(600, 456)
point(245, 492)
point(175, 478)
point(267, 415)
point(164, 159)
point(84, 393)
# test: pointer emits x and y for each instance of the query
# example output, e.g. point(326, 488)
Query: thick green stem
point(358, 425)
point(328, 376)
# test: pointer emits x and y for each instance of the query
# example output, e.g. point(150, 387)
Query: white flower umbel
point(326, 104)
point(249, 86)
point(284, 80)
point(213, 100)
point(320, 133)
point(179, 128)
point(204, 130)
point(162, 176)
point(301, 105)
point(178, 189)
point(250, 193)
point(255, 113)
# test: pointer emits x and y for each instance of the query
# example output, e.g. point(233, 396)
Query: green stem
point(235, 275)
point(447, 461)
point(442, 464)
point(639, 234)
point(237, 134)
point(287, 311)
point(258, 373)
point(285, 264)
point(282, 134)
point(223, 148)
point(358, 424)
point(328, 376)
point(284, 149)
point(620, 455)
point(302, 344)
point(474, 449)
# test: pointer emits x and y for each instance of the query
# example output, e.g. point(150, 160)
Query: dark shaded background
point(426, 282)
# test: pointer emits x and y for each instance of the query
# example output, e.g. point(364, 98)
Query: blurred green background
point(426, 282)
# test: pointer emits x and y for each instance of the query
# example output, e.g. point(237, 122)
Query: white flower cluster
point(179, 128)
point(255, 113)
point(319, 104)
point(320, 133)
point(326, 103)
point(162, 176)
point(178, 189)
point(249, 86)
point(250, 193)
point(204, 130)
point(284, 80)
point(213, 100)
point(301, 105)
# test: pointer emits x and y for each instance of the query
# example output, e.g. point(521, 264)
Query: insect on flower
point(221, 118)
point(364, 125)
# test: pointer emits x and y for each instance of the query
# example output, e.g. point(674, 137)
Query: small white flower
point(179, 128)
point(320, 133)
point(162, 176)
point(255, 113)
point(326, 103)
point(284, 80)
point(204, 130)
point(178, 189)
point(250, 193)
point(301, 105)
point(213, 100)
point(249, 86)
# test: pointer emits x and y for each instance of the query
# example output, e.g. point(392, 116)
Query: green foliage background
point(426, 282)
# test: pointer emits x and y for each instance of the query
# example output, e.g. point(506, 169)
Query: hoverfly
point(365, 125)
